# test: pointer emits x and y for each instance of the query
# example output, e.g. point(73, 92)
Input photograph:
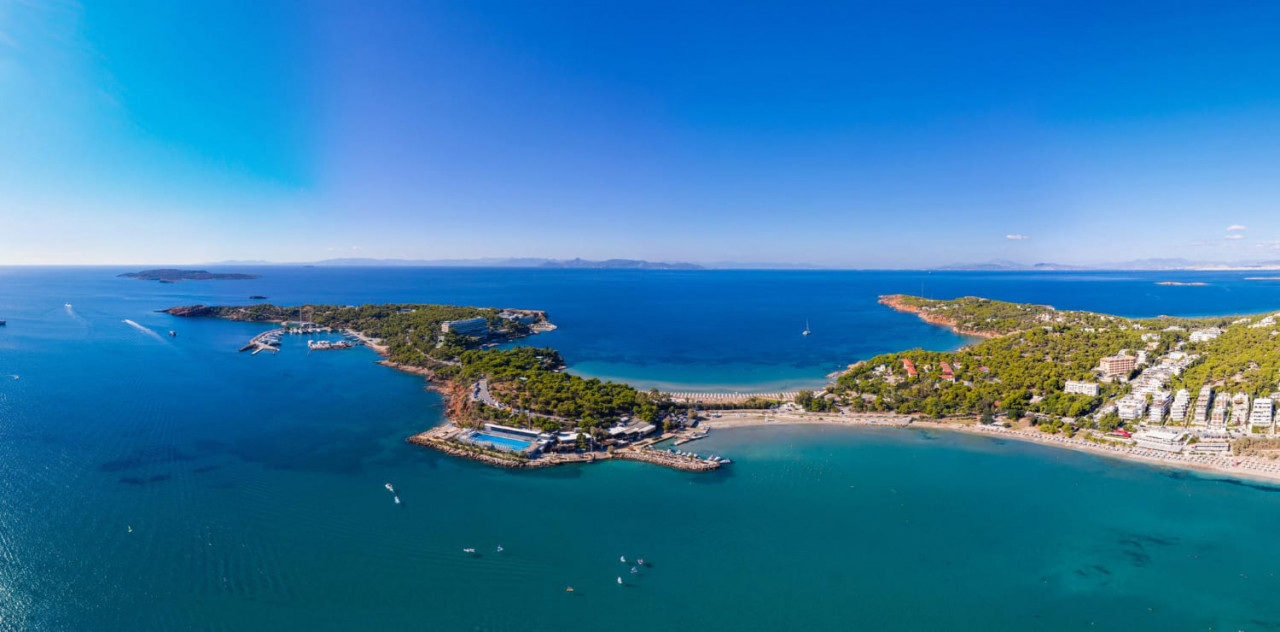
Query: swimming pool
point(496, 441)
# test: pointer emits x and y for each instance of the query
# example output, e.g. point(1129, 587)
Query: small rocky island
point(173, 275)
point(513, 407)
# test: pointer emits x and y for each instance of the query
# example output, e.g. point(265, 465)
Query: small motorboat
point(640, 562)
point(68, 305)
point(390, 488)
point(468, 550)
point(568, 588)
point(623, 559)
point(397, 500)
point(173, 334)
point(499, 548)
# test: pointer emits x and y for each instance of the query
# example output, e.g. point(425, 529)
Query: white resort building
point(468, 327)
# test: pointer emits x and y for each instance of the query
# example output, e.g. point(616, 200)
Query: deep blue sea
point(149, 482)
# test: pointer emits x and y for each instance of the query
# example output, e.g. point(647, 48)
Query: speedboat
point(468, 550)
point(67, 305)
point(173, 334)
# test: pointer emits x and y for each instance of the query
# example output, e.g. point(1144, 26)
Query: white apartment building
point(1181, 405)
point(1239, 409)
point(1081, 388)
point(1218, 419)
point(1131, 406)
point(1201, 415)
point(1260, 414)
point(1205, 335)
point(1159, 406)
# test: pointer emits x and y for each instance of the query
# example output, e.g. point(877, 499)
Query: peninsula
point(1166, 386)
point(173, 275)
point(512, 407)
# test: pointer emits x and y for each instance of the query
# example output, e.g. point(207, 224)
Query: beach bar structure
point(1162, 440)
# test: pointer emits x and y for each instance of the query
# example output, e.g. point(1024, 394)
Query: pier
point(265, 341)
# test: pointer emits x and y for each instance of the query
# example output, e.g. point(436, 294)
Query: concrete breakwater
point(667, 459)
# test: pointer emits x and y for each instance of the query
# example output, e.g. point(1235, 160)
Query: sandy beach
point(1237, 467)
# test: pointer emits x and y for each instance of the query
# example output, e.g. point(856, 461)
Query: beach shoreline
point(1233, 467)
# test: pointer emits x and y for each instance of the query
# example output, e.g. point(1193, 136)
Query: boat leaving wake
point(74, 316)
point(144, 330)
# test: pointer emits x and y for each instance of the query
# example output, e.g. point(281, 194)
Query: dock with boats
point(270, 340)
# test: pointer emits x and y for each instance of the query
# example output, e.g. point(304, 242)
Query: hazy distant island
point(509, 407)
point(173, 275)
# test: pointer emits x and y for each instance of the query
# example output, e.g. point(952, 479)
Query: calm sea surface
point(253, 485)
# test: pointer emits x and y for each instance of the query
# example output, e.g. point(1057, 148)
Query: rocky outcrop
point(897, 302)
point(193, 311)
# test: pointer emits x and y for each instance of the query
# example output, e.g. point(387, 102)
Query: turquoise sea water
point(254, 484)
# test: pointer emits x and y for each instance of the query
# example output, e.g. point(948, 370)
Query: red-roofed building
point(909, 366)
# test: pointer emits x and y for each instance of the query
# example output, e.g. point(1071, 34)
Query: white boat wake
point(144, 330)
point(77, 317)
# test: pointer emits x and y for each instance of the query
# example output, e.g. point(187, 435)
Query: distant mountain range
point(493, 262)
point(995, 265)
point(1135, 264)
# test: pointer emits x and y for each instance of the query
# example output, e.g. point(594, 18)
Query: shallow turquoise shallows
point(157, 482)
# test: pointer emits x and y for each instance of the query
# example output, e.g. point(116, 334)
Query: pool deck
point(449, 439)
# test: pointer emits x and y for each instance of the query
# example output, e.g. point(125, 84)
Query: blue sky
point(832, 133)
